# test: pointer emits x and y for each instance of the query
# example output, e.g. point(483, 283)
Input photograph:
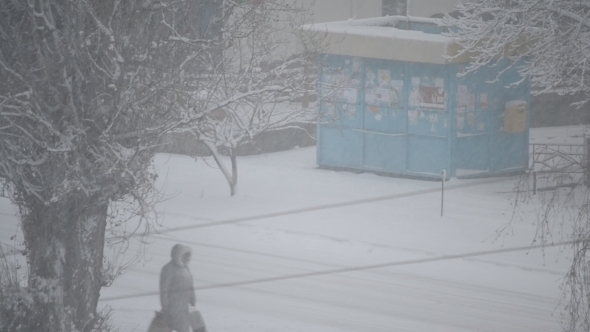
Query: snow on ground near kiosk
point(517, 291)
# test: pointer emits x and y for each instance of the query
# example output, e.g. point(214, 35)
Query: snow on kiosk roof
point(403, 38)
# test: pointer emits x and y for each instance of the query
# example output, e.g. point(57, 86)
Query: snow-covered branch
point(548, 40)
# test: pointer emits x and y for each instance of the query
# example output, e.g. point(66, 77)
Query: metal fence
point(558, 165)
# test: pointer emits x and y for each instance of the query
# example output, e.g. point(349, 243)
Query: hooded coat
point(176, 290)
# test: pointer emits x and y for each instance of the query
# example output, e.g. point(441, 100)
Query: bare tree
point(549, 42)
point(551, 35)
point(254, 82)
point(86, 88)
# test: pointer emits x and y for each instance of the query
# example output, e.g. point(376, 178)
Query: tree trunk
point(586, 162)
point(65, 247)
point(234, 170)
point(231, 178)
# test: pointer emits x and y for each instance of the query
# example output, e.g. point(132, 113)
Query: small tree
point(549, 42)
point(254, 82)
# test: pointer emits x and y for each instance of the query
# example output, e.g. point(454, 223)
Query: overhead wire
point(236, 220)
point(347, 269)
point(270, 215)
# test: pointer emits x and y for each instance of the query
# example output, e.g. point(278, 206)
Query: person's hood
point(177, 251)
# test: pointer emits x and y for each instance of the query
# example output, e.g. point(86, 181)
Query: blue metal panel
point(495, 116)
point(427, 84)
point(427, 156)
point(340, 112)
point(384, 120)
point(340, 80)
point(385, 116)
point(384, 96)
point(476, 105)
point(481, 142)
point(509, 151)
point(429, 123)
point(340, 83)
point(341, 115)
point(473, 153)
point(428, 147)
point(515, 86)
point(385, 153)
point(385, 75)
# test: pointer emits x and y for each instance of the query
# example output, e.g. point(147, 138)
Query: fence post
point(534, 182)
point(587, 162)
point(442, 192)
point(534, 148)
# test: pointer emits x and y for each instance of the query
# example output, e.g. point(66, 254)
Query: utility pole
point(443, 176)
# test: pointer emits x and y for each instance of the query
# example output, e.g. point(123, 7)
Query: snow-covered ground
point(274, 257)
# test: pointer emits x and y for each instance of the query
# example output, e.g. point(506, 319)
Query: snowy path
point(374, 300)
point(507, 292)
point(515, 291)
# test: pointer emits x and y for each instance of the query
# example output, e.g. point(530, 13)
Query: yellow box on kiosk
point(515, 114)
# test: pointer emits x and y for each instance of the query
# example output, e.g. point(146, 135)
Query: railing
point(558, 163)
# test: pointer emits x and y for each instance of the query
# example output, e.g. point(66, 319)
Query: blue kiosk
point(392, 102)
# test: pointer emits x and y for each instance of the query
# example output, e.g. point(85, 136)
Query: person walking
point(176, 289)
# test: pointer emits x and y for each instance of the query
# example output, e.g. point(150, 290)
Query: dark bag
point(197, 322)
point(160, 323)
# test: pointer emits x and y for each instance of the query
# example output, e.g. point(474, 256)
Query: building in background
point(338, 10)
point(424, 8)
point(427, 8)
point(394, 7)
